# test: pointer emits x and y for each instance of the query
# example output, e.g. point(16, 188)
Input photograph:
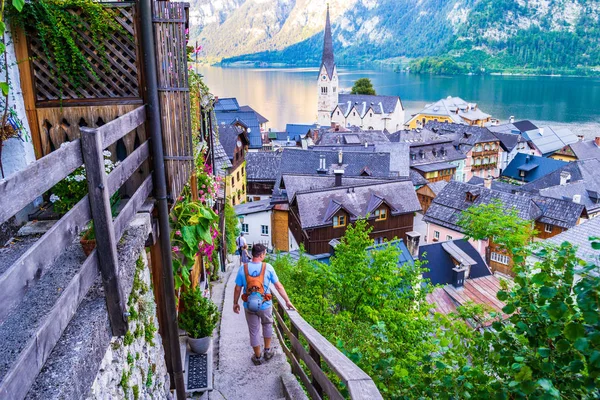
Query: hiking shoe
point(268, 353)
point(257, 360)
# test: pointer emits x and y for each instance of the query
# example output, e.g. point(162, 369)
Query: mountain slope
point(492, 34)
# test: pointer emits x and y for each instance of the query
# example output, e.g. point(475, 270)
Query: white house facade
point(255, 222)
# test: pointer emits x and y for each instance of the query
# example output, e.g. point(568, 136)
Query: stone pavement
point(235, 376)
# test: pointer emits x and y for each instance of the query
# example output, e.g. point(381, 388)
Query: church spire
point(327, 59)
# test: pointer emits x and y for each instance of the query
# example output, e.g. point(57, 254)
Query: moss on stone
point(149, 332)
point(128, 338)
point(136, 392)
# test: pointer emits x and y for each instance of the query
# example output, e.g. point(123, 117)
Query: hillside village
point(442, 254)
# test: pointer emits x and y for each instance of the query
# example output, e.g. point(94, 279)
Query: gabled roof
point(261, 119)
point(437, 187)
point(440, 261)
point(585, 149)
point(222, 162)
point(423, 154)
point(315, 206)
point(229, 135)
point(548, 139)
point(363, 103)
point(513, 128)
point(263, 166)
point(352, 138)
point(306, 183)
point(461, 133)
point(247, 118)
point(253, 207)
point(455, 108)
point(534, 167)
point(508, 140)
point(496, 185)
point(584, 177)
point(579, 236)
point(452, 200)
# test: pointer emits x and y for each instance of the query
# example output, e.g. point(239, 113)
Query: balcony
point(478, 167)
point(484, 153)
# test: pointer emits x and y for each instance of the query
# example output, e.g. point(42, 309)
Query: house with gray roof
point(549, 140)
point(550, 216)
point(450, 109)
point(579, 236)
point(581, 150)
point(228, 111)
point(262, 169)
point(578, 182)
point(318, 216)
point(256, 222)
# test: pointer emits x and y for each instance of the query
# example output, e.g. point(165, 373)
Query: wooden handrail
point(360, 385)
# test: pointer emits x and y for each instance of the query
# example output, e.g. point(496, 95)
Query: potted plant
point(198, 318)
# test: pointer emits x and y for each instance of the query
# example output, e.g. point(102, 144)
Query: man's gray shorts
point(255, 320)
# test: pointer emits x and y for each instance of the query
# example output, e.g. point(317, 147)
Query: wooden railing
point(318, 384)
point(20, 189)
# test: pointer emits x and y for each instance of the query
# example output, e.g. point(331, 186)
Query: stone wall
point(133, 366)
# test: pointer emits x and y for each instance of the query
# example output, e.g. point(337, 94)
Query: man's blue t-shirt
point(254, 270)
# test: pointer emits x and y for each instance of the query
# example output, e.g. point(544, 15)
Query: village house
point(262, 169)
point(525, 168)
point(428, 192)
point(451, 109)
point(255, 222)
point(581, 150)
point(227, 111)
point(235, 143)
point(579, 236)
point(548, 140)
point(321, 215)
point(462, 274)
point(578, 181)
point(548, 216)
point(481, 148)
point(366, 111)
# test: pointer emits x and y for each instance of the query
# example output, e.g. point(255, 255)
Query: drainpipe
point(160, 191)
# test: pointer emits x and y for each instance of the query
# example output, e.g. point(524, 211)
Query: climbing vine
point(58, 24)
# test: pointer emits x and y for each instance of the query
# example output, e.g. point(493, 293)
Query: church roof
point(327, 60)
point(364, 102)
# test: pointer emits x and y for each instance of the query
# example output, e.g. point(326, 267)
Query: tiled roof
point(455, 108)
point(228, 136)
point(298, 161)
point(313, 206)
point(584, 150)
point(437, 187)
point(496, 185)
point(227, 104)
point(434, 167)
point(452, 200)
point(306, 183)
point(562, 213)
point(584, 181)
point(362, 103)
point(462, 134)
point(417, 179)
point(417, 136)
point(222, 162)
point(248, 118)
point(440, 264)
point(262, 166)
point(422, 154)
point(352, 138)
point(253, 207)
point(579, 236)
point(513, 128)
point(508, 140)
point(534, 167)
point(548, 139)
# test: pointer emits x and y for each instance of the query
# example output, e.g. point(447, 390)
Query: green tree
point(363, 86)
point(232, 229)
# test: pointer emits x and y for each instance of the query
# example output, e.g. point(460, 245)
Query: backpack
point(255, 291)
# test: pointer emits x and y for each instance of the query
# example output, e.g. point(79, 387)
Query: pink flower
point(178, 233)
point(203, 185)
point(175, 249)
point(201, 191)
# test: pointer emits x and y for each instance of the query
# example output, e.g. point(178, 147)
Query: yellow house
point(450, 109)
point(235, 142)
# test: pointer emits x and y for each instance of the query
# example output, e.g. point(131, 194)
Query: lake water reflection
point(289, 95)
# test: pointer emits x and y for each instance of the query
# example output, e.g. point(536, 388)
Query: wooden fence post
point(91, 146)
point(317, 357)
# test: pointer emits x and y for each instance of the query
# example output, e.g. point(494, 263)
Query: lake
point(289, 95)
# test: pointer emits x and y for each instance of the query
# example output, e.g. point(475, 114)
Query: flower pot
point(88, 245)
point(201, 345)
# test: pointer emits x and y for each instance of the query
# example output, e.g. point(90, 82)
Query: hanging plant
point(59, 24)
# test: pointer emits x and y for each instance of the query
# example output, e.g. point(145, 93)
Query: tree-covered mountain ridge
point(444, 36)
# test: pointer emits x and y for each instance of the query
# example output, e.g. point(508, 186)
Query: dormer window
point(339, 221)
point(470, 197)
point(381, 214)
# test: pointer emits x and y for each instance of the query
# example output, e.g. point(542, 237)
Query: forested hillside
point(557, 36)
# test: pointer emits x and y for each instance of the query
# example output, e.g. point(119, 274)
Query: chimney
point(458, 276)
point(580, 138)
point(412, 243)
point(340, 157)
point(597, 141)
point(487, 182)
point(338, 177)
point(577, 198)
point(322, 165)
point(366, 144)
point(526, 159)
point(565, 177)
point(511, 119)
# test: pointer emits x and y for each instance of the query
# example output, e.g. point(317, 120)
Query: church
point(365, 111)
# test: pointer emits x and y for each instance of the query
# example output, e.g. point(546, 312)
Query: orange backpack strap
point(247, 274)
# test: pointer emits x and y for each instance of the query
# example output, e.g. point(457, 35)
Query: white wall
point(255, 221)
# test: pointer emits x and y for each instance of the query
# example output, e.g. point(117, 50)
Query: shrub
point(199, 316)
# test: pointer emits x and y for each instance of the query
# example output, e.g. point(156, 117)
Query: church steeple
point(327, 59)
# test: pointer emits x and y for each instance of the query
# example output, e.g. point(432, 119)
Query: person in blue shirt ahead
point(264, 316)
